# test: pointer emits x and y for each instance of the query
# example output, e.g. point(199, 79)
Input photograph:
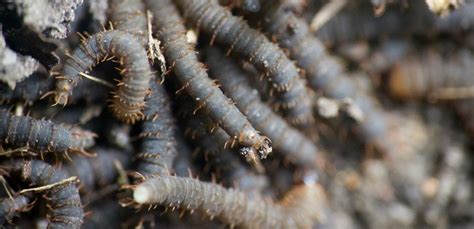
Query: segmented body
point(42, 135)
point(359, 24)
point(465, 110)
point(290, 88)
point(128, 102)
point(99, 171)
point(29, 90)
point(287, 140)
point(158, 147)
point(129, 16)
point(229, 205)
point(64, 207)
point(10, 208)
point(245, 5)
point(211, 142)
point(192, 75)
point(417, 77)
point(324, 72)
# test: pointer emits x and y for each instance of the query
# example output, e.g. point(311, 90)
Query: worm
point(158, 146)
point(29, 90)
point(128, 102)
point(9, 208)
point(229, 205)
point(42, 135)
point(228, 30)
point(64, 207)
point(171, 31)
point(97, 171)
point(285, 139)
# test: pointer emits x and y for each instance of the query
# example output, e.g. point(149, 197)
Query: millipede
point(229, 205)
point(158, 144)
point(129, 16)
point(359, 23)
point(43, 135)
point(237, 113)
point(245, 5)
point(292, 94)
point(12, 207)
point(211, 141)
point(64, 206)
point(209, 136)
point(287, 140)
point(323, 71)
point(99, 171)
point(430, 75)
point(190, 72)
point(29, 90)
point(128, 102)
point(421, 76)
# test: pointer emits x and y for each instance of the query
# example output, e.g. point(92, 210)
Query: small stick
point(452, 93)
point(50, 186)
point(326, 13)
point(95, 79)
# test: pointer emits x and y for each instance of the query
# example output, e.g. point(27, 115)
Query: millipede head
point(264, 148)
point(63, 90)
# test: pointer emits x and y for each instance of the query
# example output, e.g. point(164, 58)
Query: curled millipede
point(29, 90)
point(98, 171)
point(229, 205)
point(291, 91)
point(158, 146)
point(285, 139)
point(11, 207)
point(128, 102)
point(64, 207)
point(42, 135)
point(192, 75)
point(132, 17)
